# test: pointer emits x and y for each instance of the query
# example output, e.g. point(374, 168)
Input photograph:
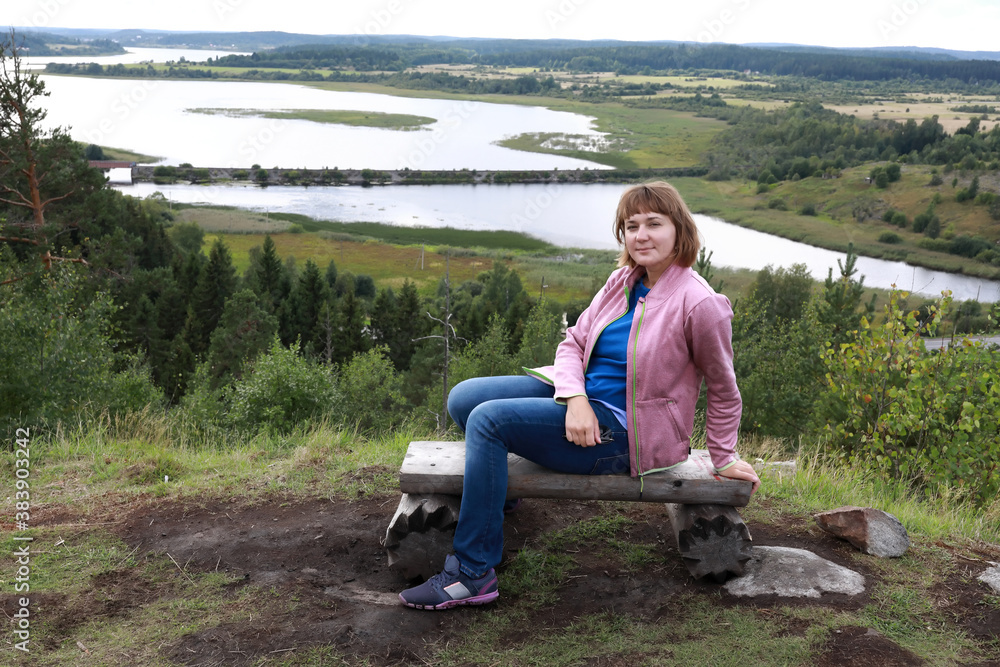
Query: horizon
point(962, 25)
point(443, 37)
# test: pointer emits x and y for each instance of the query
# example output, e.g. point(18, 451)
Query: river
point(569, 215)
point(155, 117)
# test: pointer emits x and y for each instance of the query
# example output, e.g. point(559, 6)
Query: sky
point(951, 24)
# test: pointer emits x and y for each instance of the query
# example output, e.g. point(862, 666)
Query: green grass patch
point(129, 156)
point(389, 121)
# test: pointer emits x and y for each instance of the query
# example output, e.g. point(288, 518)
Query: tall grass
point(818, 484)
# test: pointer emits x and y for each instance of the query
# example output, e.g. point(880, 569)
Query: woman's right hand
point(582, 427)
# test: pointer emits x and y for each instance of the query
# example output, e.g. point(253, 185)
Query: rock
point(872, 531)
point(991, 577)
point(793, 573)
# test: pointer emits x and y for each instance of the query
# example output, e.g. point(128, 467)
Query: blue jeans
point(516, 414)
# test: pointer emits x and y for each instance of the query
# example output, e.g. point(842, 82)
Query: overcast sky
point(953, 24)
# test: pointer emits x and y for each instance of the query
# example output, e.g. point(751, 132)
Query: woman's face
point(650, 239)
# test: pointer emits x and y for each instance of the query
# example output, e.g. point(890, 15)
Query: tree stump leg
point(420, 534)
point(712, 539)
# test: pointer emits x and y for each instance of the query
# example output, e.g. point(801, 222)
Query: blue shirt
point(606, 369)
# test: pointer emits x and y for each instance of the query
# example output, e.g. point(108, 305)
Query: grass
point(392, 254)
point(389, 121)
point(835, 227)
point(129, 156)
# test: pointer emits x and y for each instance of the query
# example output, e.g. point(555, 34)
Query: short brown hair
point(663, 198)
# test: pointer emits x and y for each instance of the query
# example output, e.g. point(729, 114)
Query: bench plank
point(439, 467)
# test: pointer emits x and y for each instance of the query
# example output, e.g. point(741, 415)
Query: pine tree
point(311, 293)
point(216, 284)
point(383, 320)
point(266, 276)
point(350, 336)
point(245, 330)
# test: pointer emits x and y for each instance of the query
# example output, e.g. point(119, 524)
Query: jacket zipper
point(635, 354)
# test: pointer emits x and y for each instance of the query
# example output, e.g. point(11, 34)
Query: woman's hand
point(742, 470)
point(582, 427)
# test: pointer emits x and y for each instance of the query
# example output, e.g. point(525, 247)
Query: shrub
point(372, 392)
point(937, 245)
point(890, 237)
point(932, 419)
point(808, 209)
point(762, 188)
point(899, 219)
point(57, 356)
point(778, 204)
point(283, 390)
point(969, 246)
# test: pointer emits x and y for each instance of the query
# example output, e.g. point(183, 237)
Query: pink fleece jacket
point(681, 333)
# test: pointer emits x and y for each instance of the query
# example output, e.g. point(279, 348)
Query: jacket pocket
point(661, 435)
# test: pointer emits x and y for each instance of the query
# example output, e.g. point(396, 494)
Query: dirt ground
point(327, 555)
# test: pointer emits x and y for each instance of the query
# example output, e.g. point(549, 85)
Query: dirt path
point(326, 555)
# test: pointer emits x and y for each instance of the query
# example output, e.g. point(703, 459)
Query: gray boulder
point(991, 577)
point(793, 573)
point(872, 531)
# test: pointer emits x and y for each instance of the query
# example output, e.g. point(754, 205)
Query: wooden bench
point(711, 536)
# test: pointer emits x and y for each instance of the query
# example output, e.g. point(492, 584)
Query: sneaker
point(511, 505)
point(451, 588)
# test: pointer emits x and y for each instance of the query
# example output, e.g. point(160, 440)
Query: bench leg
point(712, 539)
point(420, 534)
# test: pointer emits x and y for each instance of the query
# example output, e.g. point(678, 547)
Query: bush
point(969, 246)
point(762, 188)
point(890, 237)
point(937, 245)
point(932, 419)
point(778, 204)
point(808, 209)
point(282, 391)
point(899, 219)
point(57, 356)
point(372, 392)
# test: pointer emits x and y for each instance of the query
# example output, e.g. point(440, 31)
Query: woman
point(625, 382)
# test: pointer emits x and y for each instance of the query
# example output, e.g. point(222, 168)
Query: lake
point(568, 215)
point(155, 117)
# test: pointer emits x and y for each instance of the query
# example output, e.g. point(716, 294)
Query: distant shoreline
point(372, 177)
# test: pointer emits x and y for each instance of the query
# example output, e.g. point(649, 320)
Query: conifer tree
point(216, 284)
point(311, 294)
point(245, 330)
point(350, 336)
point(266, 276)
